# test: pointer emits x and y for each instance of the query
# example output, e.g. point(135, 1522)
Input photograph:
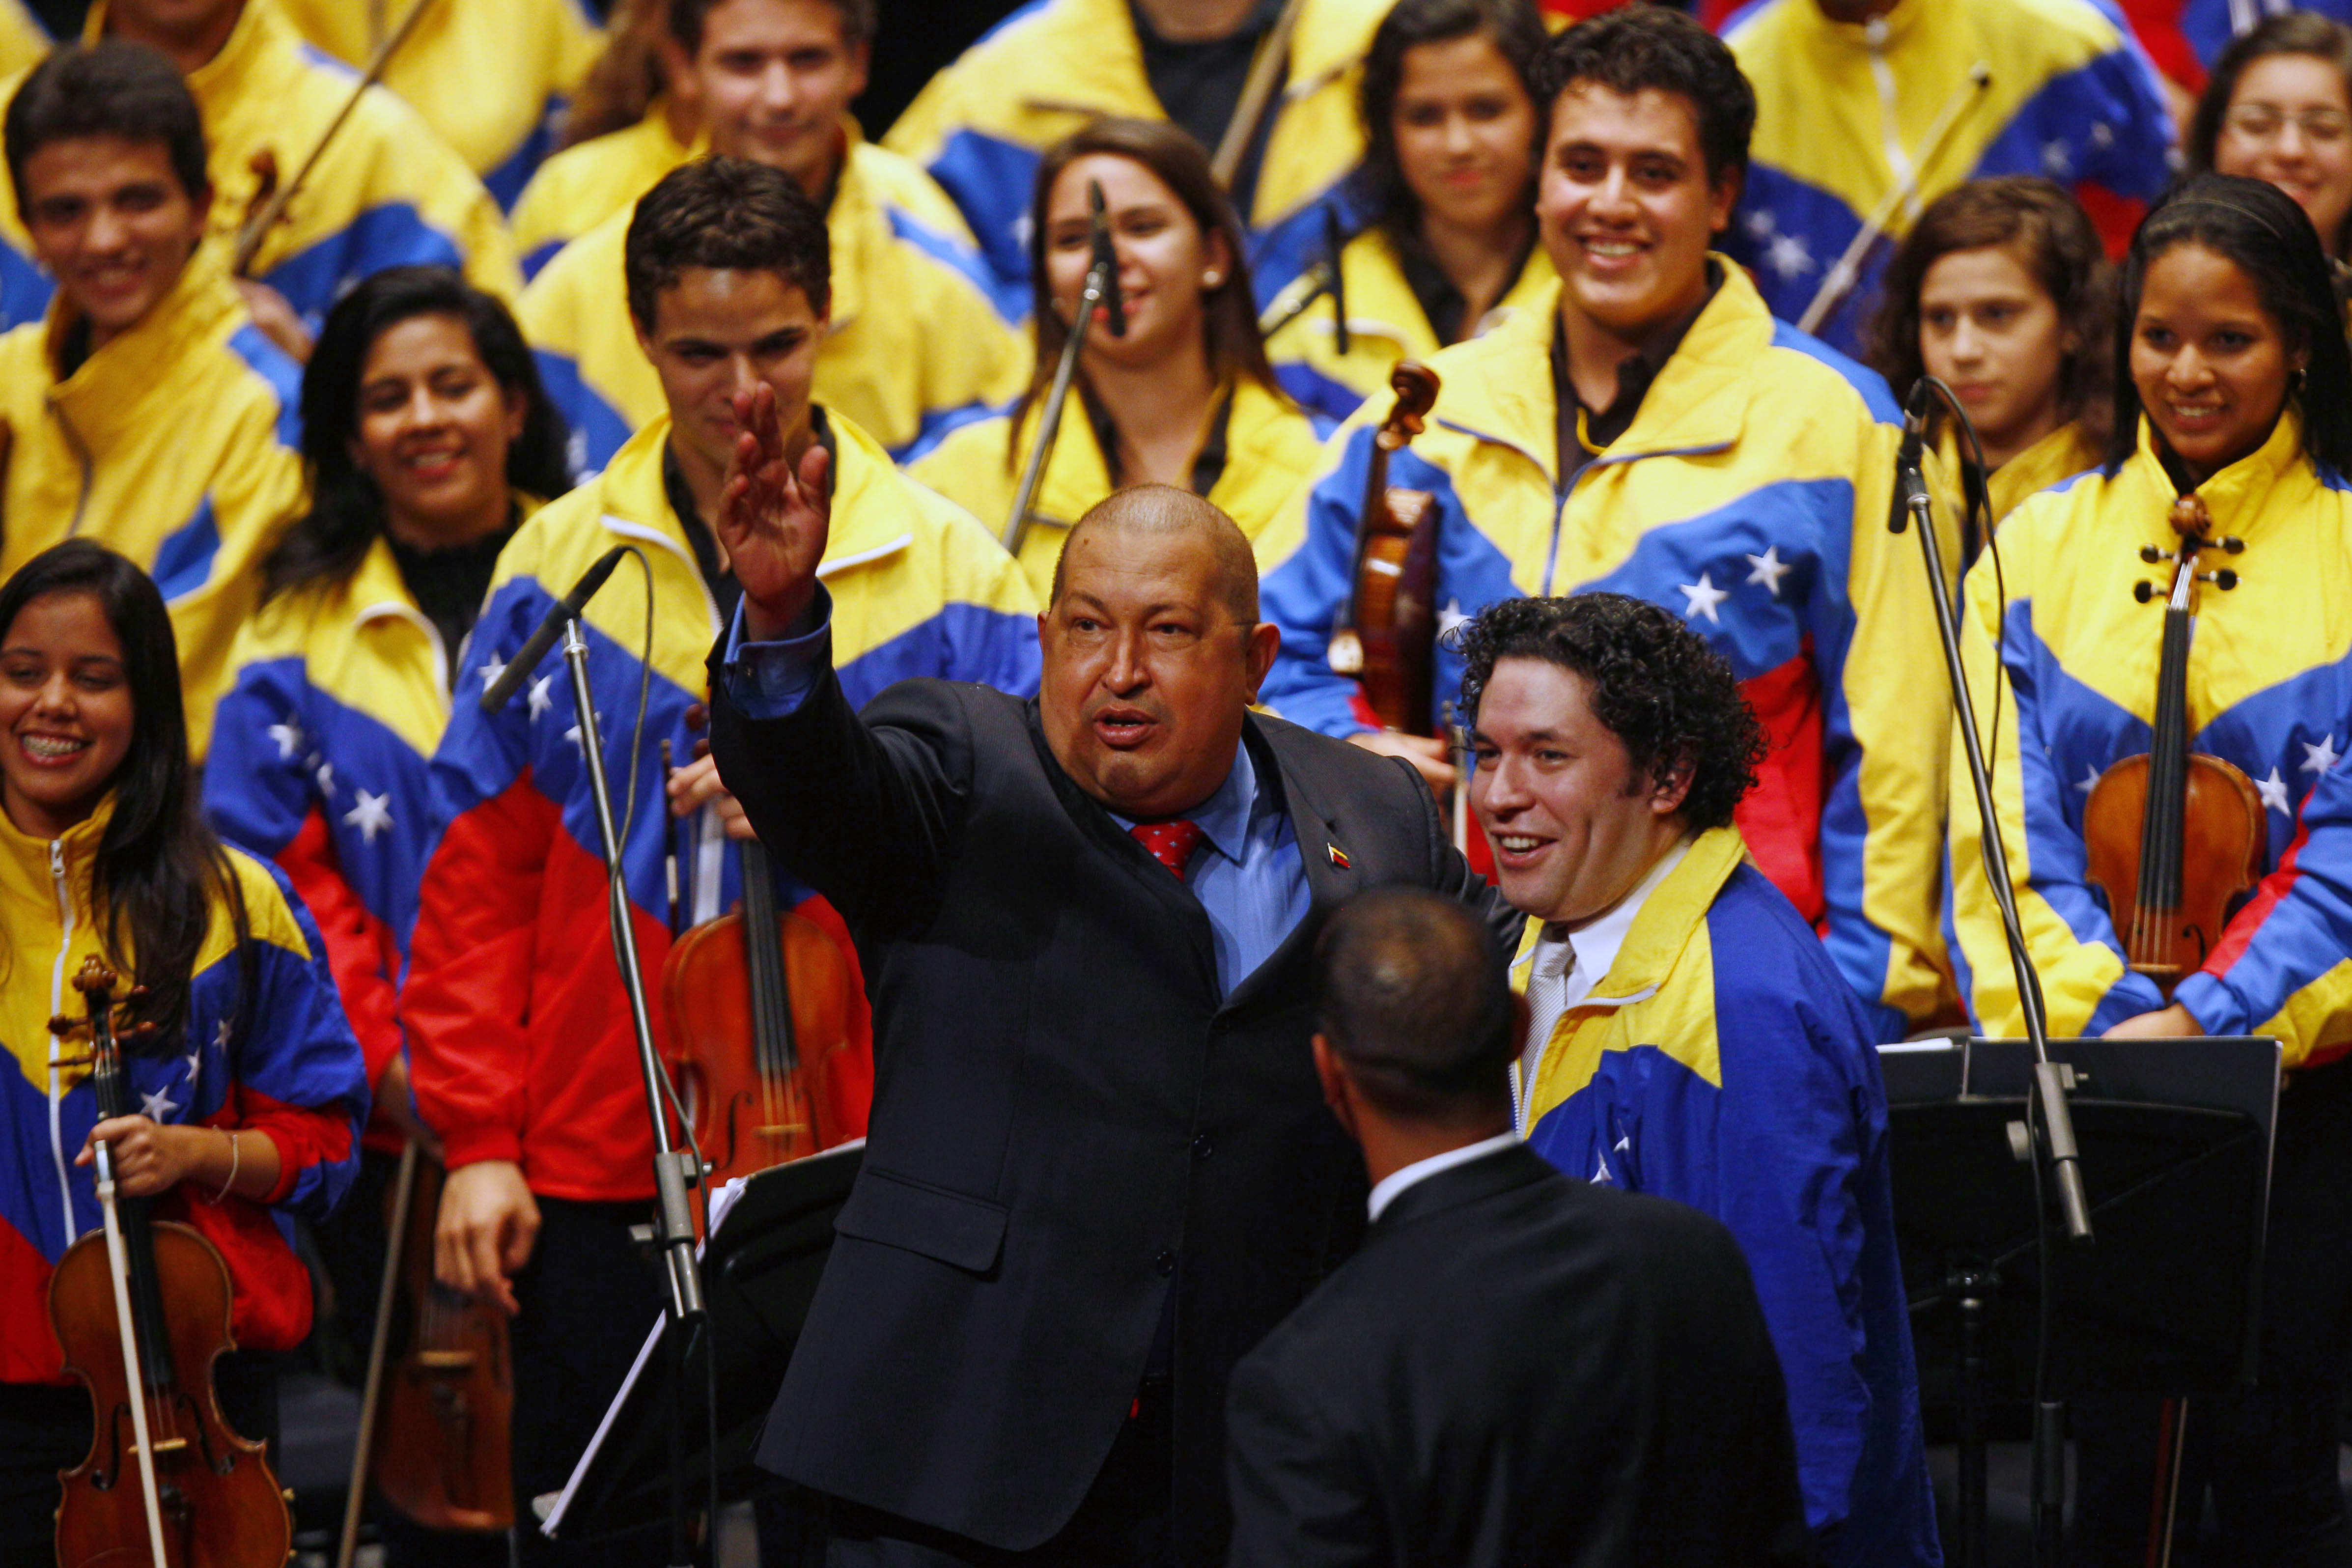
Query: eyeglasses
point(2262, 122)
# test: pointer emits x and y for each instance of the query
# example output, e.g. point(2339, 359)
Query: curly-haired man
point(1689, 1036)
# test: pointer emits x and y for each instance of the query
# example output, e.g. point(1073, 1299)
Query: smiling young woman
point(1184, 398)
point(2001, 291)
point(2279, 107)
point(1452, 132)
point(427, 441)
point(252, 1089)
point(2232, 383)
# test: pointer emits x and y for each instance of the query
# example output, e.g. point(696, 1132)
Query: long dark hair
point(346, 508)
point(159, 865)
point(2259, 228)
point(1230, 330)
point(2290, 33)
point(1517, 33)
point(2052, 236)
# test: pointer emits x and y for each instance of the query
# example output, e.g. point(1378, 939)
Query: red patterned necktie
point(1170, 843)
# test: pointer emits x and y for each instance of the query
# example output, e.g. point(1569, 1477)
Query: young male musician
point(1688, 1036)
point(916, 344)
point(518, 1027)
point(385, 192)
point(1520, 1367)
point(1653, 430)
point(145, 410)
point(1100, 1167)
point(984, 121)
point(1866, 109)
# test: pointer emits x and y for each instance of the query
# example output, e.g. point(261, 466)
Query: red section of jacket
point(1781, 818)
point(359, 951)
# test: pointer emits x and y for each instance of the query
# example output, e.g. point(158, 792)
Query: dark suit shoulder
point(1343, 769)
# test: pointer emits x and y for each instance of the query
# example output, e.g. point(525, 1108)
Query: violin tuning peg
point(2151, 554)
point(2223, 579)
point(696, 716)
point(2232, 545)
point(63, 1028)
point(2143, 590)
point(137, 995)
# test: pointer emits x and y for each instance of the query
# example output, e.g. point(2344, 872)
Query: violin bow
point(404, 1189)
point(1840, 280)
point(1101, 276)
point(257, 226)
point(1258, 95)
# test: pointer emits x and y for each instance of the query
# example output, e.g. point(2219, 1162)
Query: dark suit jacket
point(1067, 1122)
point(1520, 1370)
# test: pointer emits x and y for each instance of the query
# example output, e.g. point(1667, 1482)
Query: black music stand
point(2175, 1141)
point(760, 1271)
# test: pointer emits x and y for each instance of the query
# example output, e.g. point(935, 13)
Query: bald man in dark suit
point(1517, 1369)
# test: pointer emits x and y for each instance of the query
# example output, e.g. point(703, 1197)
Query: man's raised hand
point(774, 517)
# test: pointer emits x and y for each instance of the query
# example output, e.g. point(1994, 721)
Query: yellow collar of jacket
point(110, 393)
point(2238, 495)
point(1499, 387)
point(1670, 924)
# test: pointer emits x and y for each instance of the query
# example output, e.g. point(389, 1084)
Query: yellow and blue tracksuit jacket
point(581, 186)
point(23, 39)
point(1385, 325)
point(1723, 1062)
point(177, 443)
point(338, 694)
point(387, 193)
point(283, 1064)
point(2059, 455)
point(518, 1030)
point(1271, 447)
point(915, 347)
point(982, 124)
point(2185, 37)
point(1749, 495)
point(492, 77)
point(2270, 687)
point(1844, 110)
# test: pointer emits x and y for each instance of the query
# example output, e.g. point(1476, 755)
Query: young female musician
point(428, 442)
point(2232, 407)
point(1186, 397)
point(2001, 290)
point(1451, 136)
point(2279, 107)
point(252, 1087)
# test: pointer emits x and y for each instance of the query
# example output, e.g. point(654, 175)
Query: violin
point(1386, 632)
point(142, 1307)
point(760, 1007)
point(2175, 836)
point(433, 1419)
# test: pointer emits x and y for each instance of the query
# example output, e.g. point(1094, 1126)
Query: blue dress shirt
point(1247, 871)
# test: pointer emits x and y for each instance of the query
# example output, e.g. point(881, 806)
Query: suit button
point(1165, 1263)
point(1202, 1147)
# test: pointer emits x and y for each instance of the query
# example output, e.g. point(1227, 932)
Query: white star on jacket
point(1786, 255)
point(327, 780)
point(491, 671)
point(1450, 617)
point(540, 699)
point(2089, 780)
point(1704, 597)
point(1770, 569)
point(288, 737)
point(2318, 759)
point(159, 1105)
point(2057, 159)
point(2273, 793)
point(371, 815)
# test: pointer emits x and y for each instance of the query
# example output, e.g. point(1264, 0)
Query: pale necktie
point(1553, 962)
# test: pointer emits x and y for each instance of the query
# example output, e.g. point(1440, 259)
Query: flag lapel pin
point(1338, 855)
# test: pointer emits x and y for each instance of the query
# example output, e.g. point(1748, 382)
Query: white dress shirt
point(1396, 1181)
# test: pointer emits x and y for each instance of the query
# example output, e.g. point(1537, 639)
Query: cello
point(1385, 634)
point(760, 1007)
point(141, 1307)
point(2174, 836)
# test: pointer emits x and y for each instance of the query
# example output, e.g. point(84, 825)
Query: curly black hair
point(1645, 46)
point(1657, 686)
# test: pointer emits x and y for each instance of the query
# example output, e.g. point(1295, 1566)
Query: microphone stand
point(674, 1169)
point(1101, 287)
point(1916, 507)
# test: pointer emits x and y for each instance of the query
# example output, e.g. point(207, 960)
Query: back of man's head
point(1412, 995)
point(727, 215)
point(1656, 47)
point(109, 88)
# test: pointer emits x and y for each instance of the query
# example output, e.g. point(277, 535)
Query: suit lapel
point(1331, 879)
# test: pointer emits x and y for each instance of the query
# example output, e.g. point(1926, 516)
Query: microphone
point(1910, 471)
point(1106, 259)
point(517, 671)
